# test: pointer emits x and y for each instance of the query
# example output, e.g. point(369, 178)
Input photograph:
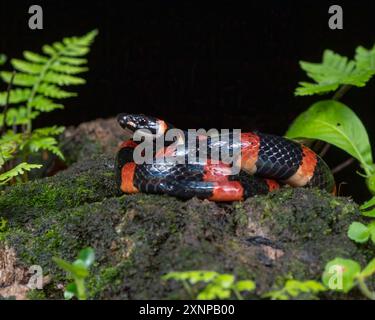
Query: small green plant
point(336, 71)
point(336, 124)
point(293, 289)
point(3, 59)
point(33, 88)
point(332, 121)
point(215, 285)
point(78, 271)
point(343, 275)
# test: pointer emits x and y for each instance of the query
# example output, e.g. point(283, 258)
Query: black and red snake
point(266, 162)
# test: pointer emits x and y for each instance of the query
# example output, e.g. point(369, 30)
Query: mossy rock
point(139, 238)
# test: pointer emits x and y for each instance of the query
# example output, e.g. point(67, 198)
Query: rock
point(138, 238)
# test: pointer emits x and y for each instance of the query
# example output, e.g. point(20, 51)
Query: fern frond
point(53, 91)
point(46, 73)
point(7, 150)
point(365, 58)
point(63, 79)
point(16, 96)
point(27, 67)
point(18, 116)
point(37, 143)
point(66, 68)
point(20, 79)
point(73, 61)
point(49, 131)
point(16, 171)
point(35, 57)
point(43, 104)
point(336, 70)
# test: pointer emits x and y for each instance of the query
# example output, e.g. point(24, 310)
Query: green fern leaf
point(16, 171)
point(66, 68)
point(49, 50)
point(43, 104)
point(63, 79)
point(53, 91)
point(27, 67)
point(366, 58)
point(73, 61)
point(49, 131)
point(16, 96)
point(18, 116)
point(85, 40)
point(35, 57)
point(20, 79)
point(7, 150)
point(38, 143)
point(336, 70)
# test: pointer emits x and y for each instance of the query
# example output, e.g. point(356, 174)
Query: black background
point(199, 64)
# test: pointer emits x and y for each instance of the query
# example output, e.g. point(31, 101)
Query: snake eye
point(122, 119)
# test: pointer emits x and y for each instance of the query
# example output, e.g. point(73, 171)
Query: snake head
point(134, 122)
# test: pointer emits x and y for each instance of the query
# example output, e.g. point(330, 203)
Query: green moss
point(36, 295)
point(138, 238)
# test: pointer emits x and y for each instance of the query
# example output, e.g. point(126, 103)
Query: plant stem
point(35, 89)
point(325, 149)
point(188, 289)
point(343, 165)
point(81, 290)
point(238, 294)
point(365, 290)
point(4, 124)
point(341, 91)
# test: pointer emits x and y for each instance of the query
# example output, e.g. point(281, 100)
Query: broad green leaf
point(87, 255)
point(335, 123)
point(214, 291)
point(358, 232)
point(245, 285)
point(368, 208)
point(224, 280)
point(369, 270)
point(340, 274)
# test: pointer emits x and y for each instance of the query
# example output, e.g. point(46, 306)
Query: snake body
point(266, 162)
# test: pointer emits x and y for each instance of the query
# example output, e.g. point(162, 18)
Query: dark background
point(218, 64)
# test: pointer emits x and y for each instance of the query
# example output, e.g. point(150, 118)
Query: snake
point(266, 163)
